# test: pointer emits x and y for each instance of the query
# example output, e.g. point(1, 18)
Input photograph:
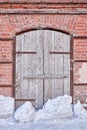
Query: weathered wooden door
point(42, 66)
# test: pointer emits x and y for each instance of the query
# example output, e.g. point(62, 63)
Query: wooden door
point(42, 66)
point(56, 64)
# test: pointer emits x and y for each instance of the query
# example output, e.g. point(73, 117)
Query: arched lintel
point(42, 28)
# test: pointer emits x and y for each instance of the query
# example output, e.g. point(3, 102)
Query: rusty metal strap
point(53, 52)
point(26, 52)
point(56, 76)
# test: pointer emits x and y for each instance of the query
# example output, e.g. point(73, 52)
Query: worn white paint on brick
point(83, 73)
point(42, 75)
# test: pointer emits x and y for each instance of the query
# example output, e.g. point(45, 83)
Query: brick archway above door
point(42, 66)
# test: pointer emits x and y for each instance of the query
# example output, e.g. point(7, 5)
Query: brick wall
point(70, 17)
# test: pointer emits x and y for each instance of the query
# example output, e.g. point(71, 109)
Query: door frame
point(14, 62)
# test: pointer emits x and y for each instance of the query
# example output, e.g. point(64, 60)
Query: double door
point(42, 66)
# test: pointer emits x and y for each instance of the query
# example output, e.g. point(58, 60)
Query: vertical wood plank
point(39, 70)
point(47, 65)
point(67, 71)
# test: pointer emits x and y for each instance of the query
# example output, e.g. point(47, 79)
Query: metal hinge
point(72, 61)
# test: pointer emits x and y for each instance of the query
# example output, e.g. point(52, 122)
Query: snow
point(72, 124)
point(25, 112)
point(6, 106)
point(56, 108)
point(59, 107)
point(56, 114)
point(79, 111)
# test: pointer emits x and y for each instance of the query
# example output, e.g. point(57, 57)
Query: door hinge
point(72, 61)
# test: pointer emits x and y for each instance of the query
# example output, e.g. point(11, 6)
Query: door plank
point(47, 65)
point(67, 71)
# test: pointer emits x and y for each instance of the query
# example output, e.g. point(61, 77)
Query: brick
point(42, 1)
point(80, 72)
point(5, 74)
point(43, 6)
point(7, 91)
point(80, 49)
point(6, 51)
point(80, 93)
point(11, 24)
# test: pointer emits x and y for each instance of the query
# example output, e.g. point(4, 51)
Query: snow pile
point(59, 107)
point(25, 112)
point(79, 111)
point(6, 106)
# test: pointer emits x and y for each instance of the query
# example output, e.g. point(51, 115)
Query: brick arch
point(39, 28)
point(62, 29)
point(63, 23)
point(22, 23)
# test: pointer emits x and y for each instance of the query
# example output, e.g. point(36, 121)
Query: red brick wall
point(11, 24)
point(43, 1)
point(74, 24)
